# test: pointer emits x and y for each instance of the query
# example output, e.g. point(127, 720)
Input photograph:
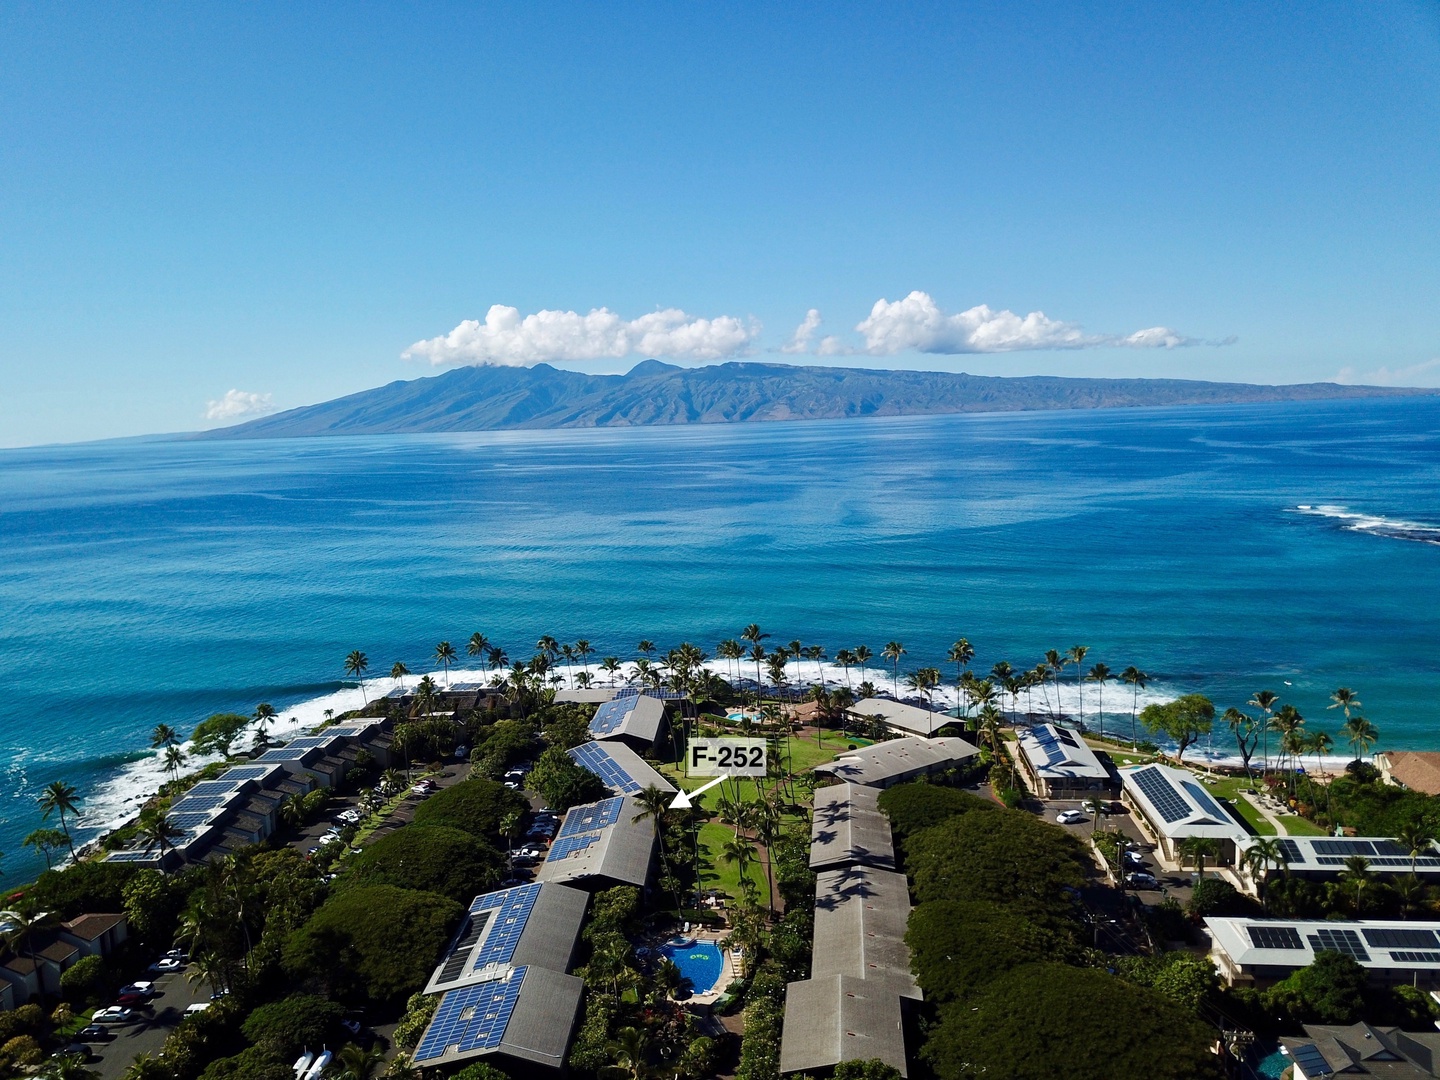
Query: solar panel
point(1274, 937)
point(1416, 957)
point(189, 821)
point(568, 846)
point(1389, 847)
point(471, 1018)
point(1400, 938)
point(1343, 848)
point(284, 753)
point(505, 930)
point(1311, 1062)
point(1162, 795)
point(455, 962)
point(1204, 801)
point(1341, 941)
point(129, 856)
point(244, 772)
point(224, 786)
point(597, 759)
point(1291, 850)
point(192, 803)
point(309, 742)
point(600, 815)
point(347, 732)
point(612, 714)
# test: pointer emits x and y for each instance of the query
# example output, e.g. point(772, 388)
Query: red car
point(132, 999)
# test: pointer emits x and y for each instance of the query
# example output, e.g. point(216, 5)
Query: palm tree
point(610, 665)
point(583, 649)
point(568, 651)
point(1264, 700)
point(797, 650)
point(164, 735)
point(863, 656)
point(357, 1063)
point(157, 830)
point(672, 980)
point(646, 647)
point(752, 634)
point(1360, 734)
point(892, 652)
point(356, 664)
point(1344, 698)
point(264, 717)
point(1415, 836)
point(925, 681)
point(1263, 853)
point(845, 657)
point(478, 645)
point(1288, 721)
point(1099, 675)
point(1197, 849)
point(444, 656)
point(146, 1067)
point(629, 1056)
point(653, 804)
point(1076, 656)
point(174, 759)
point(47, 842)
point(739, 850)
point(1356, 877)
point(59, 798)
point(398, 671)
point(21, 929)
point(730, 651)
point(960, 654)
point(816, 653)
point(67, 1067)
point(497, 658)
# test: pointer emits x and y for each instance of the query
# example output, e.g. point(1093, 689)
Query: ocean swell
point(1374, 524)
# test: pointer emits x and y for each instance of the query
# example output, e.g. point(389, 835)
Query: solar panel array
point(512, 907)
point(1311, 1062)
point(471, 1018)
point(1341, 941)
point(244, 772)
point(569, 845)
point(611, 715)
point(1205, 801)
point(1344, 848)
point(1416, 957)
point(1291, 850)
point(1378, 860)
point(309, 742)
point(347, 732)
point(596, 816)
point(455, 962)
point(201, 802)
point(597, 759)
point(1274, 937)
point(129, 856)
point(1045, 739)
point(189, 821)
point(661, 695)
point(1386, 937)
point(1162, 795)
point(224, 786)
point(284, 753)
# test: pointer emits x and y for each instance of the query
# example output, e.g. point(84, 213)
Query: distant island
point(492, 398)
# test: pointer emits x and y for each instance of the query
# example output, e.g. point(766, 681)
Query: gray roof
point(898, 759)
point(848, 828)
point(636, 769)
point(1056, 753)
point(544, 1017)
point(1282, 945)
point(588, 696)
point(898, 714)
point(621, 851)
point(838, 1018)
point(860, 919)
point(1364, 1050)
point(551, 914)
point(636, 716)
point(1176, 803)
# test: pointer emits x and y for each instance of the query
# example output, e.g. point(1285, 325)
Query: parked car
point(95, 1032)
point(166, 963)
point(1072, 817)
point(132, 999)
point(178, 954)
point(139, 987)
point(1141, 879)
point(74, 1049)
point(530, 851)
point(114, 1014)
point(1134, 860)
point(522, 860)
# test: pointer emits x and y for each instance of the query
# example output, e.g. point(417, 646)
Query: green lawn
point(1299, 826)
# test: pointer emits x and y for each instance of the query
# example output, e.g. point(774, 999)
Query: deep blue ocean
point(149, 582)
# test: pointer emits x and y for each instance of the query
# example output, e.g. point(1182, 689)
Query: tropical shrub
point(444, 861)
point(285, 1028)
point(476, 806)
point(82, 888)
point(254, 1063)
point(562, 782)
point(957, 947)
point(1216, 896)
point(1331, 990)
point(419, 1011)
point(869, 1069)
point(913, 807)
point(86, 981)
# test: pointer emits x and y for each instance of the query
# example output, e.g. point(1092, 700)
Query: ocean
point(1292, 547)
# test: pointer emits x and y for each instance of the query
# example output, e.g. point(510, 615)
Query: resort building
point(1362, 1050)
point(50, 953)
point(1261, 952)
point(849, 829)
point(899, 716)
point(1322, 858)
point(623, 770)
point(1173, 805)
point(1418, 770)
point(852, 1008)
point(505, 983)
point(637, 720)
point(601, 845)
point(1060, 764)
point(588, 695)
point(898, 760)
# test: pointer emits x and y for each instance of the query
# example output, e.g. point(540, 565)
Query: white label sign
point(727, 757)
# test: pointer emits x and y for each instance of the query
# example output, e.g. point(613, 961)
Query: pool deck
point(729, 967)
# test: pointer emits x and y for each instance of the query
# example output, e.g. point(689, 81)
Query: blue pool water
point(1273, 1066)
point(698, 961)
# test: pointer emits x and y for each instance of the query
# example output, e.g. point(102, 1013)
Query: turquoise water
point(1273, 1065)
point(149, 582)
point(698, 961)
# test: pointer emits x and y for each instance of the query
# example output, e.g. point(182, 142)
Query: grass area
point(717, 873)
point(1299, 826)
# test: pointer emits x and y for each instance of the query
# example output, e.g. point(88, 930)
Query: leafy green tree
point(433, 858)
point(913, 807)
point(481, 1070)
point(1184, 720)
point(1080, 1023)
point(92, 885)
point(47, 842)
point(419, 1011)
point(287, 1027)
point(86, 981)
point(1216, 896)
point(477, 806)
point(217, 734)
point(255, 1063)
point(562, 782)
point(869, 1069)
point(372, 943)
point(1186, 979)
point(957, 947)
point(1332, 990)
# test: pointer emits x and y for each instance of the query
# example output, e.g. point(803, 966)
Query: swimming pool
point(698, 961)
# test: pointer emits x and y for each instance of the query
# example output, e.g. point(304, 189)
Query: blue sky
point(280, 201)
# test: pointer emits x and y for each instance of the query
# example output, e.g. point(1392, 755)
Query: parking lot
point(150, 1024)
point(1173, 885)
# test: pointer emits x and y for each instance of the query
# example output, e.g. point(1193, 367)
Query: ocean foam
point(1374, 524)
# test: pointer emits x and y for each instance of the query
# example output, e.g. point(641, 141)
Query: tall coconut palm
point(1099, 674)
point(845, 657)
point(1416, 836)
point(356, 664)
point(740, 851)
point(1356, 878)
point(1138, 681)
point(21, 930)
point(654, 802)
point(797, 650)
point(398, 671)
point(1290, 724)
point(1196, 849)
point(1360, 734)
point(583, 649)
point(174, 761)
point(157, 830)
point(1053, 666)
point(863, 656)
point(445, 656)
point(1344, 698)
point(960, 654)
point(730, 651)
point(1264, 700)
point(59, 798)
point(611, 666)
point(1263, 853)
point(816, 653)
point(164, 735)
point(646, 647)
point(264, 717)
point(1076, 656)
point(893, 651)
point(477, 646)
point(497, 658)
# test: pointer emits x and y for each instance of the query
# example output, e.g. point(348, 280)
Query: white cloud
point(505, 337)
point(238, 403)
point(800, 342)
point(917, 323)
point(1422, 374)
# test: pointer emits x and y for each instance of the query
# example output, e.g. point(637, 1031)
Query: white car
point(1072, 817)
point(115, 1014)
point(166, 963)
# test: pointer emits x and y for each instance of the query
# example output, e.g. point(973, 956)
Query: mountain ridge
point(494, 397)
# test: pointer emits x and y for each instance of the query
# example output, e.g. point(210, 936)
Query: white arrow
point(682, 799)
